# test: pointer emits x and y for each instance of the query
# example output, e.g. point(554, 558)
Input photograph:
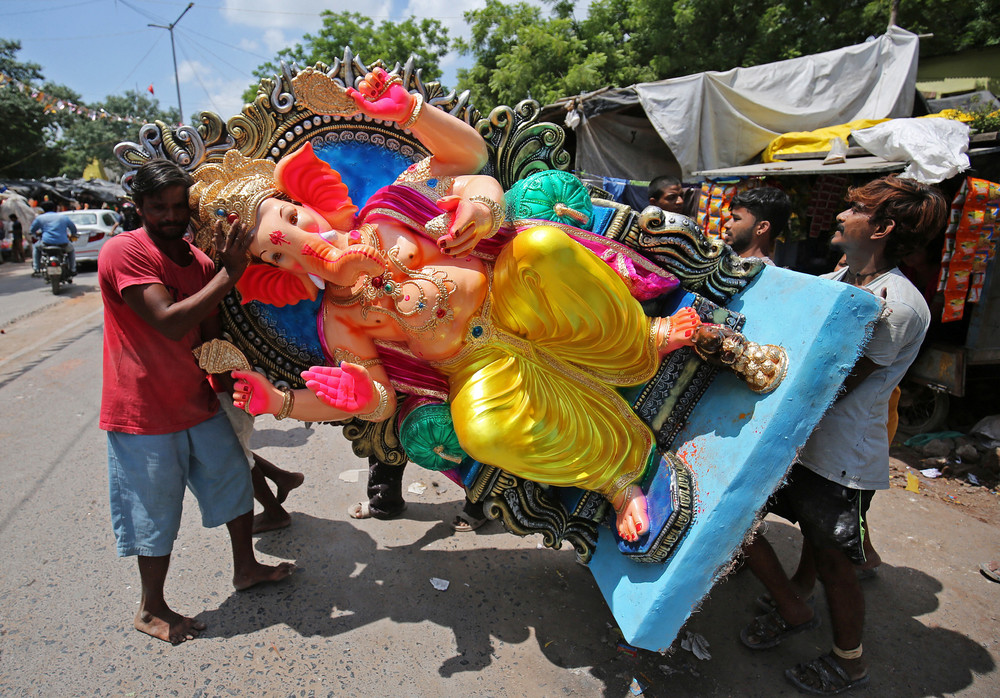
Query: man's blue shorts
point(147, 475)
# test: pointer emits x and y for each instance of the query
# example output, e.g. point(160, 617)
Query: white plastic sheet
point(723, 119)
point(936, 148)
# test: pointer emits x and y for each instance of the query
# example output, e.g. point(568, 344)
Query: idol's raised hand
point(348, 388)
point(383, 96)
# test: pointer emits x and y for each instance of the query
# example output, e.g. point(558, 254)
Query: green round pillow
point(552, 195)
point(428, 436)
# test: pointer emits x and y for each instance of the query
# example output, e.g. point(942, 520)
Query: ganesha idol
point(529, 329)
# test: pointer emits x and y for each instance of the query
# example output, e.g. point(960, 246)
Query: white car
point(94, 227)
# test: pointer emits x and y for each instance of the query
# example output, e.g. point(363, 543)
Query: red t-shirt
point(152, 385)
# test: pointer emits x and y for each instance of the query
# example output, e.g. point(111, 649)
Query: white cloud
point(275, 40)
point(451, 13)
point(251, 45)
point(301, 15)
point(206, 90)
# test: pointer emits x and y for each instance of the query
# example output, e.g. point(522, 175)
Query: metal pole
point(173, 50)
point(177, 79)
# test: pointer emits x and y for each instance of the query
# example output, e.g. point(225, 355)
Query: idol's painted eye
point(275, 257)
point(294, 217)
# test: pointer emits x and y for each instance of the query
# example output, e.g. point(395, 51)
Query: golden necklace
point(389, 285)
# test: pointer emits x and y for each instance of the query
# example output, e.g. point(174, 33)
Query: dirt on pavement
point(981, 502)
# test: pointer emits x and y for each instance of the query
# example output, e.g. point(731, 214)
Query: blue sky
point(105, 47)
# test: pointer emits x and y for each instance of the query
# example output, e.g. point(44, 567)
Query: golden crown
point(237, 185)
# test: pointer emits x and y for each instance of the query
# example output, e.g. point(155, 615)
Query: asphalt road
point(360, 617)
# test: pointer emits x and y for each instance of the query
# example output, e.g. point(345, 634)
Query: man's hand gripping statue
point(531, 329)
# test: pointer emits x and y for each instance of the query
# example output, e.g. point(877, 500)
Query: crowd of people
point(169, 427)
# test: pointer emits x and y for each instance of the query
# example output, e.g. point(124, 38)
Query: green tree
point(25, 127)
point(425, 39)
point(83, 139)
point(523, 50)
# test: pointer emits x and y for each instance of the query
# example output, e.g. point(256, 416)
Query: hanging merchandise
point(825, 202)
point(969, 245)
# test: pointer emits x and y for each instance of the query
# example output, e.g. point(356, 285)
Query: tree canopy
point(425, 39)
point(24, 125)
point(523, 50)
point(40, 139)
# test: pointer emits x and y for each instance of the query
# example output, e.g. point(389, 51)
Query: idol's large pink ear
point(310, 181)
point(262, 282)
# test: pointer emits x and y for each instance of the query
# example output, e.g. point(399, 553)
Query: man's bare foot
point(285, 485)
point(632, 516)
point(264, 522)
point(677, 331)
point(262, 574)
point(168, 626)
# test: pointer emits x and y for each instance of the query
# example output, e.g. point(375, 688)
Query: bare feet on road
point(286, 484)
point(270, 522)
point(261, 574)
point(168, 626)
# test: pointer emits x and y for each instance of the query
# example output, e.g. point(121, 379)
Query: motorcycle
point(55, 266)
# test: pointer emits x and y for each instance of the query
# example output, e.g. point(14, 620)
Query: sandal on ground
point(363, 510)
point(766, 604)
point(771, 630)
point(991, 570)
point(823, 676)
point(463, 523)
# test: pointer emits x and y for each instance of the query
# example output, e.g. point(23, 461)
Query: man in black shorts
point(846, 458)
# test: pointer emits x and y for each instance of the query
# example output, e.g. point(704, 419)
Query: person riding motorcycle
point(54, 229)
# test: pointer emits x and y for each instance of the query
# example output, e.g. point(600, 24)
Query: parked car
point(94, 227)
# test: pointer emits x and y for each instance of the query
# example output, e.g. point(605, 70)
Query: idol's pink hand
point(253, 393)
point(348, 388)
point(374, 99)
point(468, 226)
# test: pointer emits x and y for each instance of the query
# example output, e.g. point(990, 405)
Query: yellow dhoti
point(531, 392)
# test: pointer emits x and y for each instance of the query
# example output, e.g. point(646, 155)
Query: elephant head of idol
point(296, 210)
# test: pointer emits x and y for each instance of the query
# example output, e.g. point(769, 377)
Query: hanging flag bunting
point(51, 105)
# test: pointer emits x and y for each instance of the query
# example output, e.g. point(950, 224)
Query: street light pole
point(173, 50)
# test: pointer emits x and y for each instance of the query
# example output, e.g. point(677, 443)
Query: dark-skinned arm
point(862, 369)
point(154, 304)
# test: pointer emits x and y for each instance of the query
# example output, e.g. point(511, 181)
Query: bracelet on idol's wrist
point(287, 403)
point(418, 104)
point(383, 402)
point(496, 213)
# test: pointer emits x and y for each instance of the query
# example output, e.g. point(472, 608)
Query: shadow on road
point(346, 582)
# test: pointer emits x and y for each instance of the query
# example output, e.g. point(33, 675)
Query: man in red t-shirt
point(165, 429)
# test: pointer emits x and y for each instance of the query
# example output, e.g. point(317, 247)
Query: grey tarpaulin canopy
point(63, 189)
point(722, 119)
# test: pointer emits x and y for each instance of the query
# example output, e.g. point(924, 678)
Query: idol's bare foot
point(677, 331)
point(266, 521)
point(632, 515)
point(168, 626)
point(257, 573)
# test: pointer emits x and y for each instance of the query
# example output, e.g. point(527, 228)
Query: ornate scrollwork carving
point(525, 507)
point(378, 439)
point(703, 265)
point(520, 145)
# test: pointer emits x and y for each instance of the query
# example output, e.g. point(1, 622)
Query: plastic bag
point(935, 147)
